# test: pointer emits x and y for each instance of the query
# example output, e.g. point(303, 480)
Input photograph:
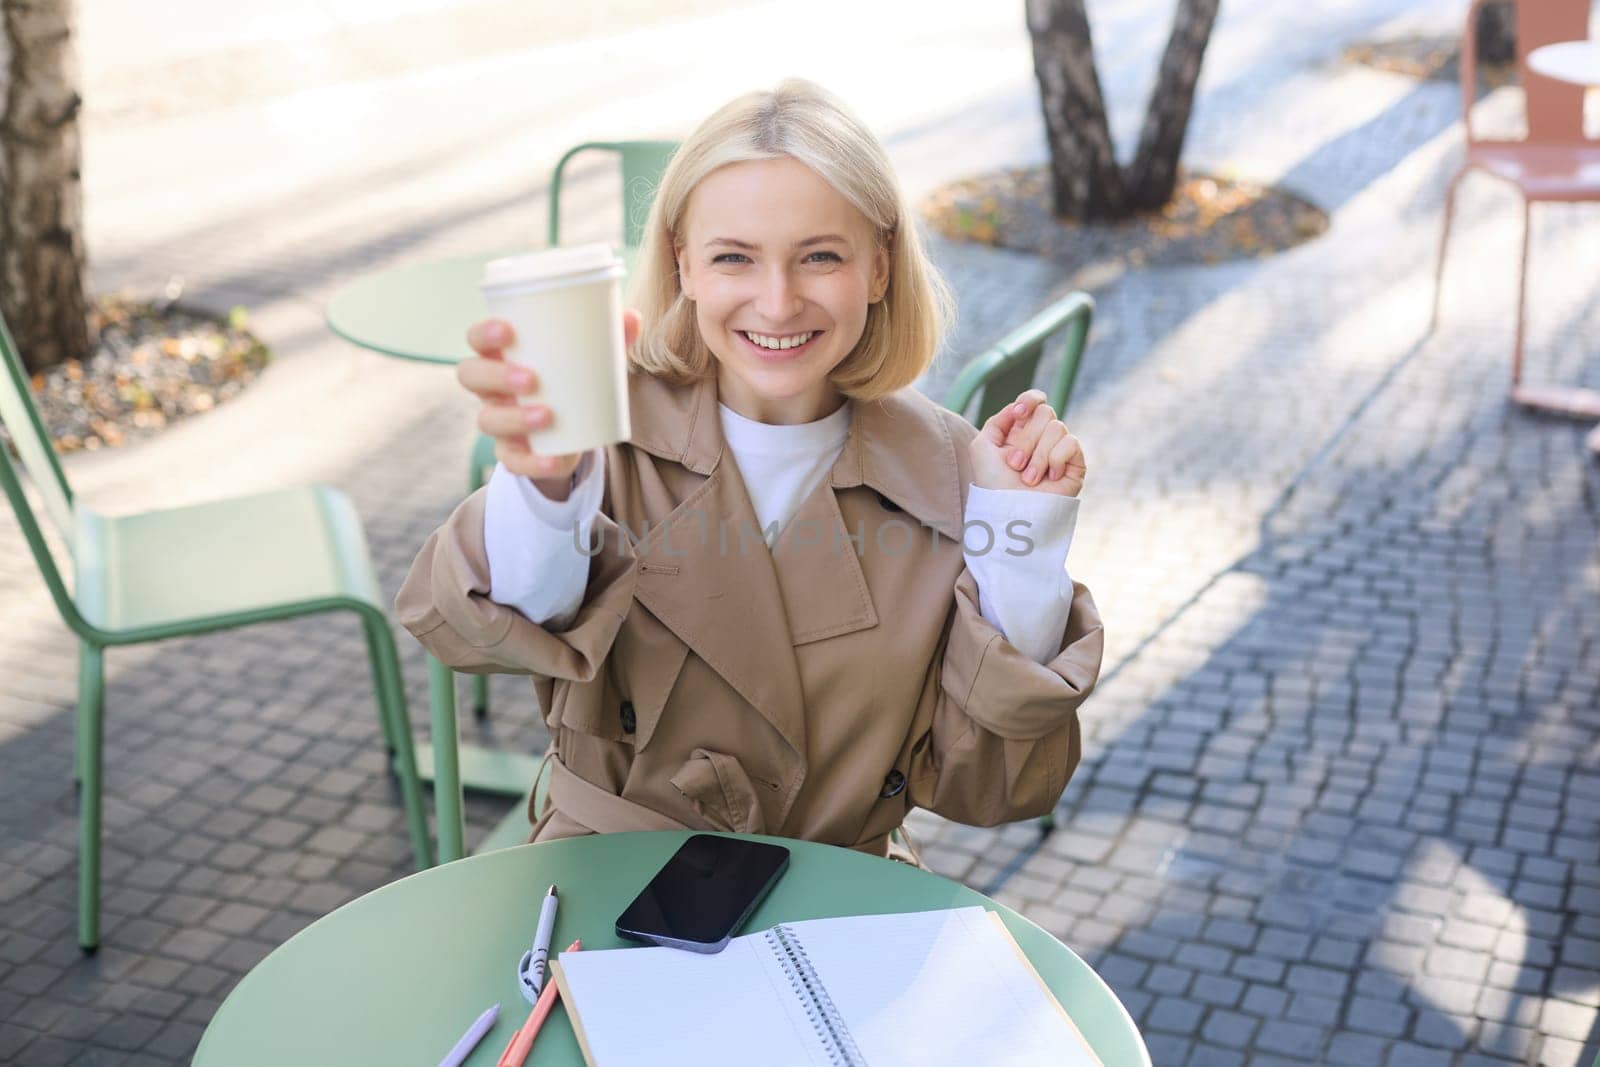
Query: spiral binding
point(813, 996)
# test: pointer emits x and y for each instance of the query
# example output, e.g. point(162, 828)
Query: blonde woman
point(803, 598)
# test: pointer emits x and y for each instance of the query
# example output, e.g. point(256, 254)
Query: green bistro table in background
point(396, 976)
point(419, 312)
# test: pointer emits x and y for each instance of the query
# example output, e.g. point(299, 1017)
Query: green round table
point(419, 312)
point(398, 975)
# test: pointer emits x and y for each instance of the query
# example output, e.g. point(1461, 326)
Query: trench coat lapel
point(900, 449)
point(708, 576)
point(819, 572)
point(704, 571)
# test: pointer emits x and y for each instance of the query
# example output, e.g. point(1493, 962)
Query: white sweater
point(536, 567)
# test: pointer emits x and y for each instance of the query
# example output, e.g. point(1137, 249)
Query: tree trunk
point(1497, 33)
point(41, 198)
point(1153, 176)
point(1083, 167)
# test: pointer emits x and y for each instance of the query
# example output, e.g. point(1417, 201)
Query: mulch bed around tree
point(1209, 219)
point(1438, 58)
point(153, 364)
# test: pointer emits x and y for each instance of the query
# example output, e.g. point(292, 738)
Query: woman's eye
point(814, 257)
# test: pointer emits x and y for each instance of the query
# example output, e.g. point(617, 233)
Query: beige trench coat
point(818, 690)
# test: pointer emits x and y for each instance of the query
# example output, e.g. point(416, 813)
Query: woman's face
point(781, 268)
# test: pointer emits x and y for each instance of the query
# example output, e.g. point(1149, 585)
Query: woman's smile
point(780, 348)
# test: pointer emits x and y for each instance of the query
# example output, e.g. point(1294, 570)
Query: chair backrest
point(998, 375)
point(643, 163)
point(1553, 108)
point(21, 421)
point(22, 425)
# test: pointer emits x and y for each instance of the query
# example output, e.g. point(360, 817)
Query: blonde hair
point(801, 120)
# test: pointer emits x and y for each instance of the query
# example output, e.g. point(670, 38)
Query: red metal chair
point(1555, 162)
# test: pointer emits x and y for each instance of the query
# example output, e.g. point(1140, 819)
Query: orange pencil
point(522, 1040)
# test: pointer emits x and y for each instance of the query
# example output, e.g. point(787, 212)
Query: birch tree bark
point(1086, 181)
point(41, 196)
point(1083, 167)
point(1154, 173)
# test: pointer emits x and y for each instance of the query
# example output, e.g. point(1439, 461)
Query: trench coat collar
point(746, 614)
point(899, 446)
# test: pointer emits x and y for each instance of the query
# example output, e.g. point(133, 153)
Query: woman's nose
point(779, 300)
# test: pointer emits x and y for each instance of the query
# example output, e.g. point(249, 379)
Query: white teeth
point(780, 343)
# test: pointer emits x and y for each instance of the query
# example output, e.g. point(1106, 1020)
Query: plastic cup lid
point(550, 264)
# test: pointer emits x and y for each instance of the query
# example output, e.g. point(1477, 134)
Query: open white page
point(662, 1007)
point(938, 987)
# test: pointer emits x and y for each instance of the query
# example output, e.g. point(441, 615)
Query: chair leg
point(482, 459)
point(447, 798)
point(396, 723)
point(88, 754)
point(78, 747)
point(480, 696)
point(1522, 298)
point(1444, 244)
point(386, 717)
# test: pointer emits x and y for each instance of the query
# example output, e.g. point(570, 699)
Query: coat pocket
point(721, 791)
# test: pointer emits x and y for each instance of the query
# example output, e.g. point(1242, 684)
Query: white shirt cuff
point(589, 483)
point(1016, 546)
point(532, 542)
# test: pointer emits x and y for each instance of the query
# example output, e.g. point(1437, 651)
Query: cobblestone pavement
point(1340, 799)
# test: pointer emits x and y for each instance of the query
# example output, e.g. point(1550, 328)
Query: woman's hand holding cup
point(511, 408)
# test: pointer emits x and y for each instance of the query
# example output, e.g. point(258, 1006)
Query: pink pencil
point(522, 1040)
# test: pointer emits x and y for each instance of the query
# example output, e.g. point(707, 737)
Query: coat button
point(630, 721)
point(894, 783)
point(888, 505)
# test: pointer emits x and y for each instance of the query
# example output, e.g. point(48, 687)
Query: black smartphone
point(704, 894)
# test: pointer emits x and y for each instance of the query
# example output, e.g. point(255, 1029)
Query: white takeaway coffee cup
point(565, 306)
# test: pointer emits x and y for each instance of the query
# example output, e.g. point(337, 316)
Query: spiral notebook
point(934, 987)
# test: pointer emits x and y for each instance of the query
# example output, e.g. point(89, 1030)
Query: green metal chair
point(191, 570)
point(643, 163)
point(1000, 374)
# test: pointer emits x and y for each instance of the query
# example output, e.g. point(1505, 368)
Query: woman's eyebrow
point(746, 246)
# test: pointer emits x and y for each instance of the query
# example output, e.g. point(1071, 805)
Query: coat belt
point(601, 810)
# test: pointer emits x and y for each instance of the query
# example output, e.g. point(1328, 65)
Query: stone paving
point(1340, 799)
